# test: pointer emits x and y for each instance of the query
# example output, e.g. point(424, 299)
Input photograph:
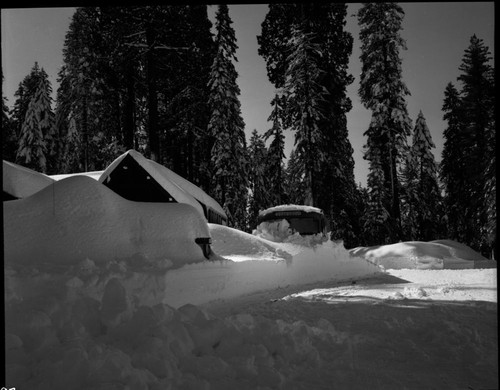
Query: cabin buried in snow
point(133, 177)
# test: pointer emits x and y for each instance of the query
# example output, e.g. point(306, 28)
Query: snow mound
point(78, 218)
point(440, 254)
point(236, 245)
point(21, 182)
point(460, 251)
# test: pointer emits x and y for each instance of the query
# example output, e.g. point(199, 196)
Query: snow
point(291, 207)
point(92, 174)
point(21, 182)
point(159, 173)
point(79, 218)
point(189, 187)
point(437, 254)
point(104, 293)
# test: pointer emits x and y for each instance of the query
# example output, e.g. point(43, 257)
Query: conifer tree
point(24, 94)
point(468, 154)
point(323, 23)
point(376, 220)
point(275, 156)
point(478, 104)
point(383, 92)
point(259, 183)
point(453, 162)
point(304, 98)
point(32, 148)
point(423, 187)
point(9, 139)
point(36, 140)
point(229, 155)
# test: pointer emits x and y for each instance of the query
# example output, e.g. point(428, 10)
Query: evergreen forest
point(161, 79)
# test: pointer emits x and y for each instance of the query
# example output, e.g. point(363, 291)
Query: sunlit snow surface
point(261, 315)
point(441, 254)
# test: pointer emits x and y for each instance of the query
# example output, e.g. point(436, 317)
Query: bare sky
point(436, 34)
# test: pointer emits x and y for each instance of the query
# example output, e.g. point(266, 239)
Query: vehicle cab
point(305, 220)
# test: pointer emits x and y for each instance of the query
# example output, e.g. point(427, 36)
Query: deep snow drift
point(21, 182)
point(437, 254)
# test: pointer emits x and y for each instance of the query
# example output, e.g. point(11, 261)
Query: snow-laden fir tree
point(275, 156)
point(36, 142)
point(469, 153)
point(376, 220)
point(259, 183)
point(422, 188)
point(304, 97)
point(24, 94)
point(32, 149)
point(383, 91)
point(9, 138)
point(229, 155)
point(478, 102)
point(335, 190)
point(452, 168)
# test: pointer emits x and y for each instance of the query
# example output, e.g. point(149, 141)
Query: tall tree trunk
point(154, 142)
point(129, 125)
point(85, 136)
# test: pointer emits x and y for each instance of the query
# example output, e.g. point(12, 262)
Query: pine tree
point(383, 92)
point(32, 148)
point(453, 165)
point(275, 155)
point(258, 181)
point(377, 226)
point(335, 187)
point(304, 96)
point(424, 190)
point(45, 117)
point(24, 94)
point(229, 155)
point(36, 140)
point(469, 151)
point(478, 105)
point(9, 139)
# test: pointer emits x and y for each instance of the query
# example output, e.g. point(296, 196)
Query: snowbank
point(79, 218)
point(421, 255)
point(21, 182)
point(259, 265)
point(57, 337)
point(85, 323)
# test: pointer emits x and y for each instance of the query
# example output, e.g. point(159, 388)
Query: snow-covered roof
point(161, 175)
point(191, 188)
point(291, 207)
point(22, 182)
point(93, 174)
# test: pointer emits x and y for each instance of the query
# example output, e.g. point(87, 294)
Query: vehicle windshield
point(305, 225)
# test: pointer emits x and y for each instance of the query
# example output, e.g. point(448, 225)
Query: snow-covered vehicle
point(280, 222)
